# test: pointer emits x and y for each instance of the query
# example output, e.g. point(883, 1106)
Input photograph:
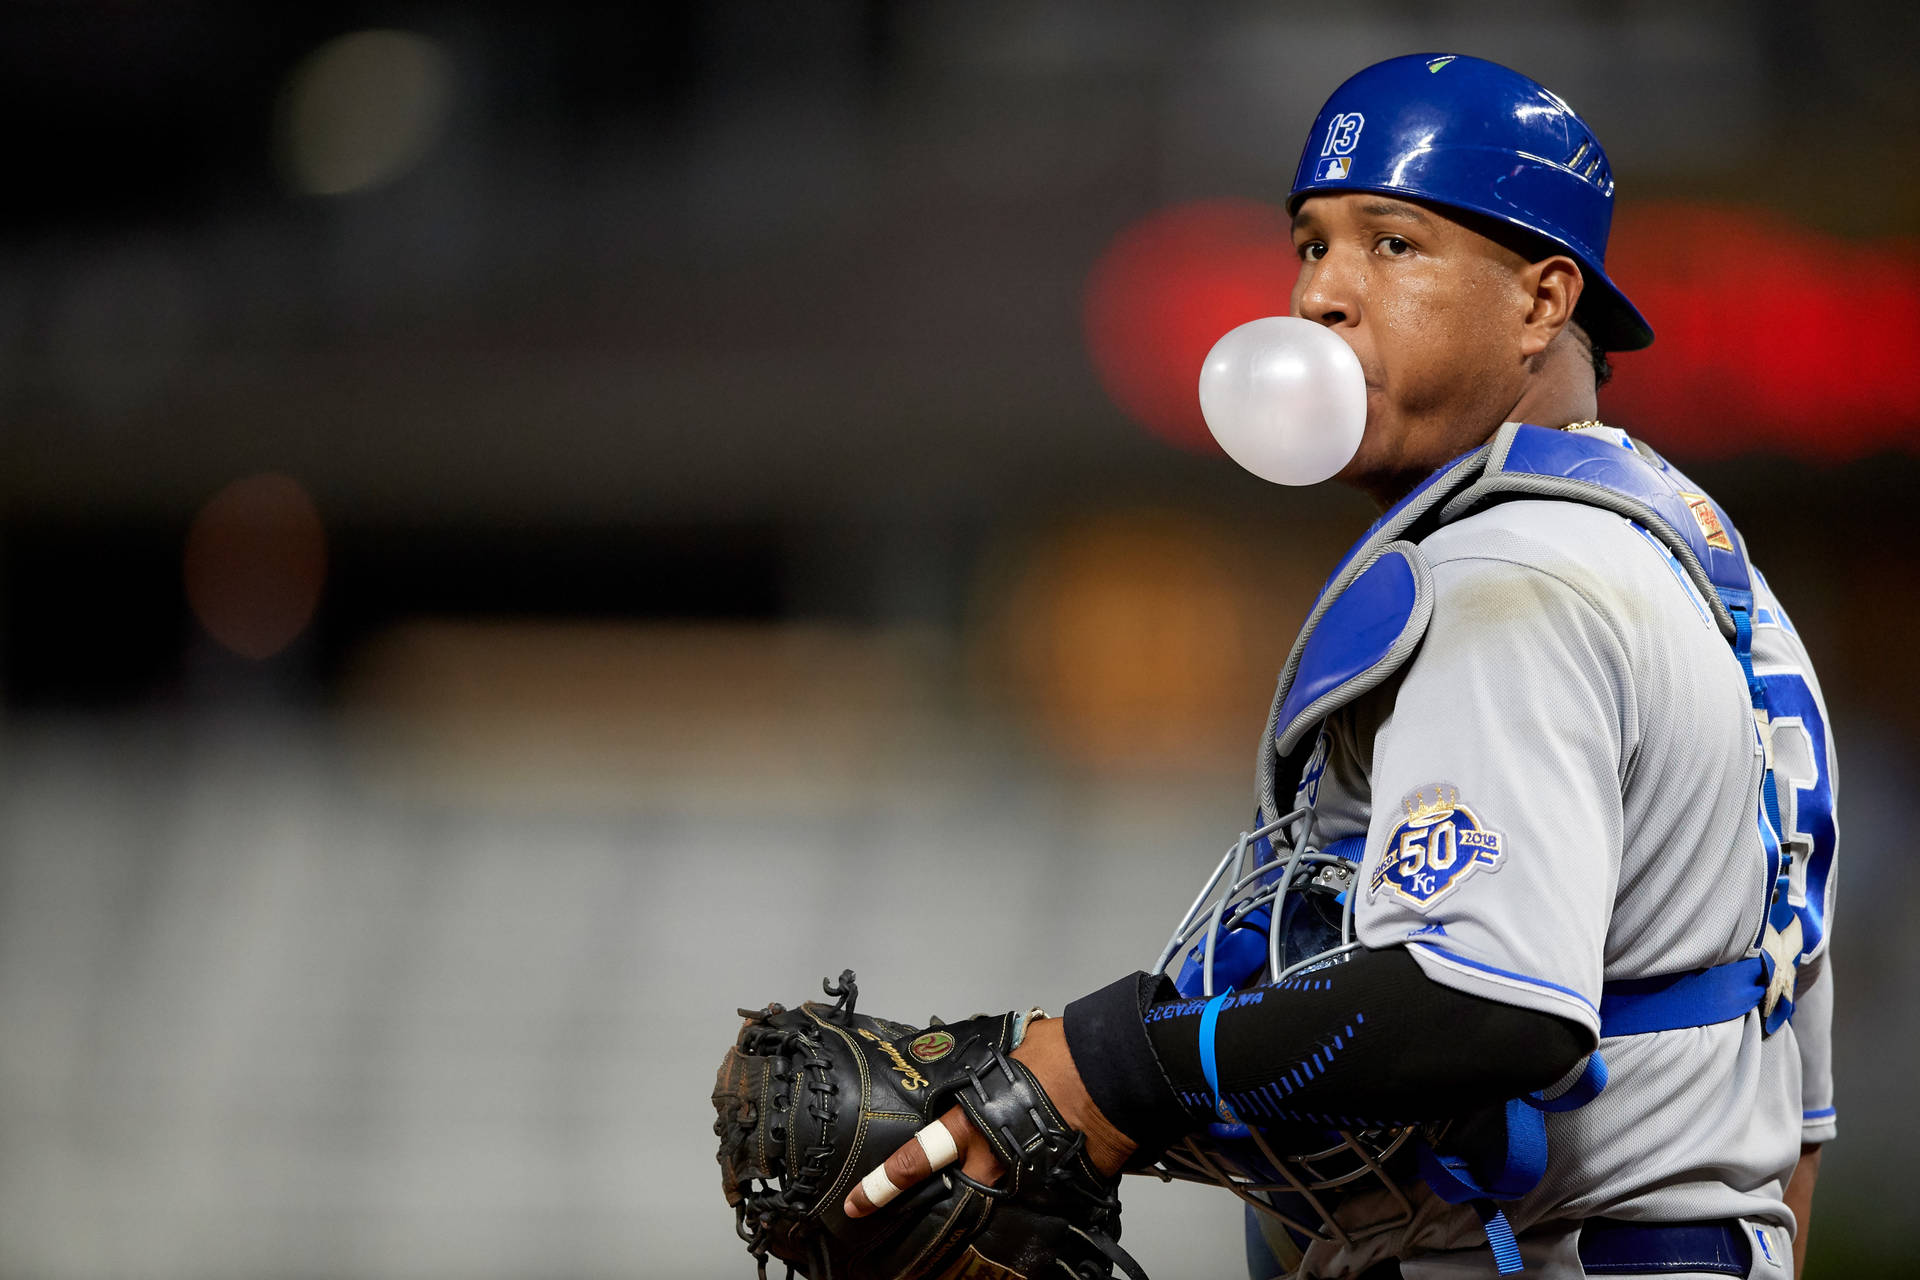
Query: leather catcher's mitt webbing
point(809, 1100)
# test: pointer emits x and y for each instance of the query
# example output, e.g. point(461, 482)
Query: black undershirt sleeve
point(1369, 1041)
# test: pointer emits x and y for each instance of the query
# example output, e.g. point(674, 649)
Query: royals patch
point(932, 1046)
point(1438, 844)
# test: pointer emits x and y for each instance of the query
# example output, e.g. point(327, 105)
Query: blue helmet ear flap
point(1466, 134)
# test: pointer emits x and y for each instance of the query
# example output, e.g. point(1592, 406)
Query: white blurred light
point(363, 109)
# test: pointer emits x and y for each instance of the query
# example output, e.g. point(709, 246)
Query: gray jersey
point(1575, 709)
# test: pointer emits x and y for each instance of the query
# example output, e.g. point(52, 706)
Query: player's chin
point(1362, 472)
point(1378, 468)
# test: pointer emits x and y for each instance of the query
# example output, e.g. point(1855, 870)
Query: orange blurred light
point(1146, 639)
point(256, 557)
point(1164, 292)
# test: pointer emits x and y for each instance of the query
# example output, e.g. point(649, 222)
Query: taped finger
point(878, 1187)
point(937, 1141)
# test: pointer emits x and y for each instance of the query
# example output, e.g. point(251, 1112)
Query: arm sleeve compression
point(1370, 1041)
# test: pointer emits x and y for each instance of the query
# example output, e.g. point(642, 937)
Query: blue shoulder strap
point(1626, 478)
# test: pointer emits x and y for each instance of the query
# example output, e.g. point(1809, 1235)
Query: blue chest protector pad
point(1368, 622)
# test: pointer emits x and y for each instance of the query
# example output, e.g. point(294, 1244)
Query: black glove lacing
point(804, 1065)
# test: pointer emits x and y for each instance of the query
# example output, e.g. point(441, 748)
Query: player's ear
point(1553, 288)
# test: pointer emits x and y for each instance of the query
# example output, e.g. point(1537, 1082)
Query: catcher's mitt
point(809, 1099)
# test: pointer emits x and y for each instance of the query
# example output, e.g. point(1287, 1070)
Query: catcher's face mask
point(1276, 906)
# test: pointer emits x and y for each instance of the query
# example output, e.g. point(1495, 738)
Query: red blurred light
point(1164, 292)
point(1771, 337)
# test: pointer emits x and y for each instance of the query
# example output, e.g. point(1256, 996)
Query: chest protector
point(1374, 610)
point(1369, 621)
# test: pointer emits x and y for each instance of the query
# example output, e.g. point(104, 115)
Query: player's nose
point(1328, 291)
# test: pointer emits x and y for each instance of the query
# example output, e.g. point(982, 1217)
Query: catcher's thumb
point(931, 1150)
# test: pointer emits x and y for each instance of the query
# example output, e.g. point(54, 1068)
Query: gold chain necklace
point(1581, 426)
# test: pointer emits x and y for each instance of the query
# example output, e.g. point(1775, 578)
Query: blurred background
point(524, 528)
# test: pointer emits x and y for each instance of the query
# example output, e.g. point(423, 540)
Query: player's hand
point(1044, 1051)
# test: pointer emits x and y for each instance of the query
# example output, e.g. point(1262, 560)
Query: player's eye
point(1393, 246)
point(1312, 251)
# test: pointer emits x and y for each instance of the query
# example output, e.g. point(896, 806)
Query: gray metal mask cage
point(1276, 880)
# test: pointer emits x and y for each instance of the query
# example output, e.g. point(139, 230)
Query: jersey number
point(1795, 736)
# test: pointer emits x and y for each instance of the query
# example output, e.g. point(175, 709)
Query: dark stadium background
point(524, 528)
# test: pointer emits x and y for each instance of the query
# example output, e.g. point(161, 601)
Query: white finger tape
point(878, 1186)
point(937, 1141)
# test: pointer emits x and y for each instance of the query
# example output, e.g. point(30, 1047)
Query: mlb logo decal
point(1439, 844)
point(1332, 169)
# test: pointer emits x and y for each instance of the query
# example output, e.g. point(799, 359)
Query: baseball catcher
point(1523, 963)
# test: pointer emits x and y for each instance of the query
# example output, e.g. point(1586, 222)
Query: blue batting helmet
point(1472, 135)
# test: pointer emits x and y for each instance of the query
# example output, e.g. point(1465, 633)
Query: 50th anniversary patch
point(1438, 844)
